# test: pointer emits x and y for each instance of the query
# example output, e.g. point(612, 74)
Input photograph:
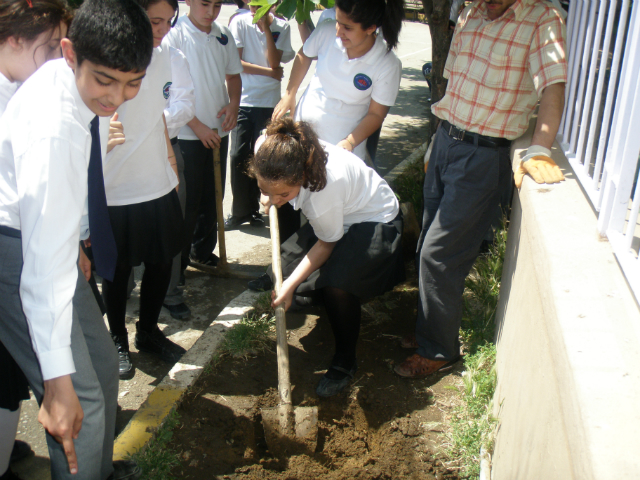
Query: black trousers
point(200, 220)
point(463, 189)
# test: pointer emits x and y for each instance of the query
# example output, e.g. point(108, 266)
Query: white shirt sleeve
point(233, 66)
point(386, 86)
point(284, 44)
point(51, 178)
point(181, 104)
point(329, 227)
point(319, 38)
point(237, 30)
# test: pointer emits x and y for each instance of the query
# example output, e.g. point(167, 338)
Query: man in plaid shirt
point(505, 56)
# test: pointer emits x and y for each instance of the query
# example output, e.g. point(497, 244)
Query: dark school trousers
point(200, 220)
point(463, 189)
point(246, 194)
point(96, 361)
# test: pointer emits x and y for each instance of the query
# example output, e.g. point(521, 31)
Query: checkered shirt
point(498, 69)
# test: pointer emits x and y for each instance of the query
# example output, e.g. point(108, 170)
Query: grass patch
point(157, 460)
point(472, 423)
point(408, 185)
point(250, 336)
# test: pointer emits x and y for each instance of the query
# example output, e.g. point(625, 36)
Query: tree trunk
point(437, 12)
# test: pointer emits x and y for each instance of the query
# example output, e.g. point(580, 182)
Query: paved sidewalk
point(208, 295)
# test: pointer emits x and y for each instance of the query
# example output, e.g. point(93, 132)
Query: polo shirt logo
point(362, 81)
point(275, 35)
point(223, 39)
point(166, 90)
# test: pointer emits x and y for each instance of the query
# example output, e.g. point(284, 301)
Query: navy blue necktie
point(103, 244)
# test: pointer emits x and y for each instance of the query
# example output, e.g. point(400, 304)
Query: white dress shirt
point(339, 94)
point(45, 145)
point(180, 107)
point(7, 89)
point(260, 90)
point(212, 56)
point(138, 170)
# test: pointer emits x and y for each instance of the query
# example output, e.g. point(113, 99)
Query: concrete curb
point(166, 397)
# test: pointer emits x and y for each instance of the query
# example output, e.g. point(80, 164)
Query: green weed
point(157, 460)
point(248, 337)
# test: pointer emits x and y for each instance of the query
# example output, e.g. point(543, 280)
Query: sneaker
point(125, 367)
point(125, 470)
point(156, 343)
point(179, 312)
point(232, 222)
point(20, 450)
point(261, 284)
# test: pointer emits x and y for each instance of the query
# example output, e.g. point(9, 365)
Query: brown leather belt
point(470, 137)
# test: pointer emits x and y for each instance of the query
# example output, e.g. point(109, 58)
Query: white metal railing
point(600, 128)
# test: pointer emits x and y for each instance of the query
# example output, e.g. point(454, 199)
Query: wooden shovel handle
point(217, 174)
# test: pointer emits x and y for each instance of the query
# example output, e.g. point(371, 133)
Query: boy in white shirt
point(51, 192)
point(213, 59)
point(262, 46)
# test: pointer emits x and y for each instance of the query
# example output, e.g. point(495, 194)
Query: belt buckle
point(452, 129)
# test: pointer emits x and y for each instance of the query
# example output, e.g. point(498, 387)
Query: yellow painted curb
point(146, 421)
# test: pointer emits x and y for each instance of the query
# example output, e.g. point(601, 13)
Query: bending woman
point(349, 251)
point(357, 75)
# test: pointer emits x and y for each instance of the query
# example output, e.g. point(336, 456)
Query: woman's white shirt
point(138, 170)
point(354, 194)
point(180, 107)
point(338, 96)
point(7, 89)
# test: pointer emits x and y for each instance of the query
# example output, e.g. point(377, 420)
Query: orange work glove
point(539, 165)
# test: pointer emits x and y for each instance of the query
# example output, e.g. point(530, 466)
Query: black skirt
point(148, 232)
point(14, 383)
point(366, 262)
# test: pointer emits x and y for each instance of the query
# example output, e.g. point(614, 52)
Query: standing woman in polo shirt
point(357, 75)
point(30, 35)
point(349, 251)
point(141, 178)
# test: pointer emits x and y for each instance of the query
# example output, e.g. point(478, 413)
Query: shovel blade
point(293, 433)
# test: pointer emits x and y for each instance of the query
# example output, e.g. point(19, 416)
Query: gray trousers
point(174, 294)
point(96, 361)
point(463, 189)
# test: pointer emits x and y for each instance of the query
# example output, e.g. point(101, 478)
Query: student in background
point(241, 10)
point(262, 46)
point(141, 178)
point(213, 60)
point(29, 36)
point(52, 196)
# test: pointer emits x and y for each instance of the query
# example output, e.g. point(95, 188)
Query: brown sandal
point(417, 366)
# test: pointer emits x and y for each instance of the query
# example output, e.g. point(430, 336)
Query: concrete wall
point(568, 337)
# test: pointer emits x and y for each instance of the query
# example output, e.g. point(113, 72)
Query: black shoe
point(211, 262)
point(20, 450)
point(233, 221)
point(256, 220)
point(179, 312)
point(261, 284)
point(156, 343)
point(9, 475)
point(125, 470)
point(125, 367)
point(335, 380)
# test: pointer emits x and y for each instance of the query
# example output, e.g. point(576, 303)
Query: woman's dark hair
point(291, 154)
point(21, 21)
point(172, 3)
point(386, 14)
point(112, 33)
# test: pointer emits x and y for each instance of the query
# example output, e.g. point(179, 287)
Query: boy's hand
point(85, 265)
point(230, 113)
point(265, 202)
point(116, 133)
point(61, 415)
point(208, 137)
point(277, 73)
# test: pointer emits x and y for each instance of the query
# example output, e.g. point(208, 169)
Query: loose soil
point(381, 427)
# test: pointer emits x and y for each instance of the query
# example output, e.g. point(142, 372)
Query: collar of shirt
point(377, 51)
point(517, 10)
point(197, 33)
point(7, 89)
point(86, 115)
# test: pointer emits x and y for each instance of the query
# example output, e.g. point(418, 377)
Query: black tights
point(343, 310)
point(153, 289)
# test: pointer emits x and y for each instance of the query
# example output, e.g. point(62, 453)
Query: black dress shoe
point(261, 284)
point(156, 343)
point(234, 221)
point(125, 470)
point(179, 312)
point(125, 367)
point(20, 450)
point(256, 220)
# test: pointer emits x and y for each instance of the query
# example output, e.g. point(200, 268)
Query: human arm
point(253, 69)
point(371, 122)
point(230, 111)
point(180, 107)
point(312, 261)
point(273, 54)
point(171, 156)
point(207, 136)
point(300, 68)
point(85, 264)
